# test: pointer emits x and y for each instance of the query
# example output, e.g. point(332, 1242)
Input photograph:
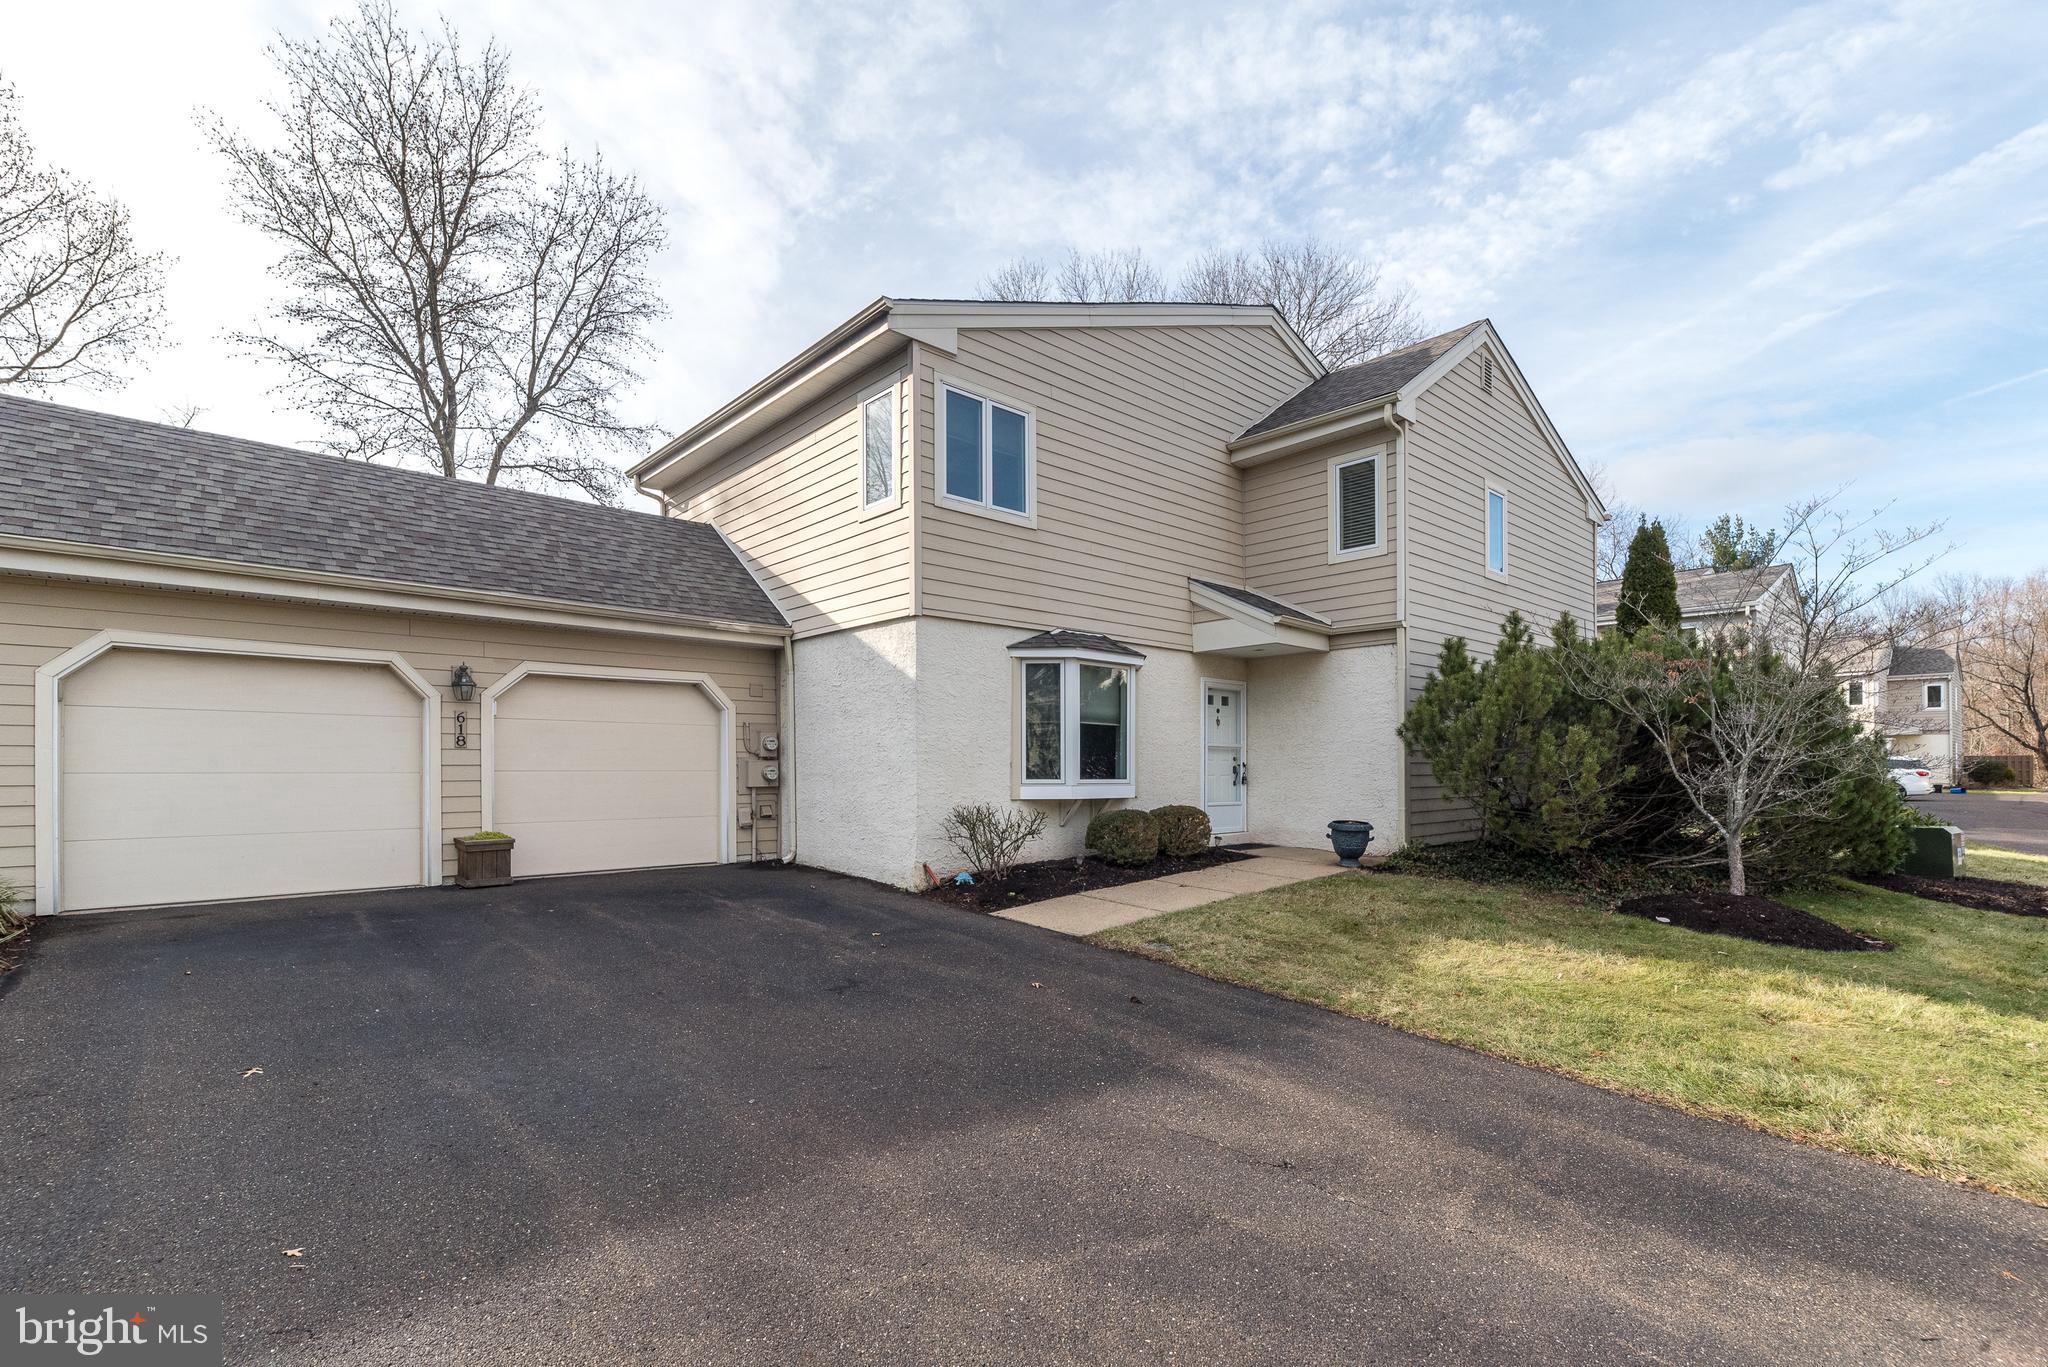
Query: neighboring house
point(1912, 696)
point(1081, 556)
point(232, 670)
point(1758, 603)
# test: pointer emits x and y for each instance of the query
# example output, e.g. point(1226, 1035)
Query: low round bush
point(1126, 836)
point(1992, 772)
point(1183, 830)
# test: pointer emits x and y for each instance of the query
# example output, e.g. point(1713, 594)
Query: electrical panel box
point(762, 742)
point(763, 773)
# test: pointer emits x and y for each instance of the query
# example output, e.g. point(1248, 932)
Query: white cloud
point(1825, 156)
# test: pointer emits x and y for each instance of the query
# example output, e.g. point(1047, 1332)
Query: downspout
point(1398, 420)
point(785, 710)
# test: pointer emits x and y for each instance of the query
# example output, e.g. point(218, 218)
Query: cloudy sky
point(1744, 251)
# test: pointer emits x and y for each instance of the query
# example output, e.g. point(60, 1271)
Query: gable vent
point(1486, 371)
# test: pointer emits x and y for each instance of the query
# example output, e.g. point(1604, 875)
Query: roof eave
point(30, 555)
point(1306, 432)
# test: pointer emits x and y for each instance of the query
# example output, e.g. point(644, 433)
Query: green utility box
point(1937, 852)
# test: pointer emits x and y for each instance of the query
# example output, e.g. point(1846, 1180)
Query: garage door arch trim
point(49, 722)
point(703, 682)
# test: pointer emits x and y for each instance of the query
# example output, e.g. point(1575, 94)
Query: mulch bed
point(1984, 894)
point(1051, 878)
point(1748, 918)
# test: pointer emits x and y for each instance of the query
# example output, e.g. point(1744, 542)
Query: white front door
point(1223, 768)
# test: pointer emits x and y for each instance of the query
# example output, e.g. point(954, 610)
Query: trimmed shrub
point(990, 837)
point(1126, 836)
point(1183, 830)
point(1991, 773)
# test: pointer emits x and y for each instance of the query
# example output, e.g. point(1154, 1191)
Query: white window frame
point(1374, 456)
point(1855, 692)
point(1494, 489)
point(1927, 699)
point(989, 403)
point(894, 498)
point(1068, 787)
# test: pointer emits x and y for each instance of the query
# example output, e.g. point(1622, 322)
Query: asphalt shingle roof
point(1912, 660)
point(1361, 383)
point(1059, 638)
point(1272, 606)
point(67, 474)
point(1701, 593)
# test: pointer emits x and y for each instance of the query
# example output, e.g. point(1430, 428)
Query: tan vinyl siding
point(790, 501)
point(1462, 437)
point(1287, 537)
point(1134, 489)
point(41, 619)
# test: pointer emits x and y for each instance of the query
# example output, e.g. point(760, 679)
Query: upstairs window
point(987, 450)
point(1855, 692)
point(1937, 697)
point(878, 450)
point(1356, 507)
point(1496, 531)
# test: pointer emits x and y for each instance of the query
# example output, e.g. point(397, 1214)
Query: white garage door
point(189, 778)
point(595, 774)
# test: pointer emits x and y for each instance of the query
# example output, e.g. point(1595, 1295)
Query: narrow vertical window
point(1008, 473)
point(1935, 696)
point(878, 449)
point(1496, 532)
point(1855, 692)
point(963, 446)
point(1355, 505)
point(1042, 722)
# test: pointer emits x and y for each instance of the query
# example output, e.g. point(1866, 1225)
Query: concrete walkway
point(1085, 913)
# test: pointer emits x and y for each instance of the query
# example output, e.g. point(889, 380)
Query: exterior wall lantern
point(463, 683)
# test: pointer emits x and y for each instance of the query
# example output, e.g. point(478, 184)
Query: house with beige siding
point(1088, 556)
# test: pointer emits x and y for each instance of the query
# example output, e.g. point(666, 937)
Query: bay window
point(1076, 723)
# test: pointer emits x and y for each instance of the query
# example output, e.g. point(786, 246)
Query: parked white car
point(1913, 776)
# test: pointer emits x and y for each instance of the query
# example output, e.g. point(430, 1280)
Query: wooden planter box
point(483, 863)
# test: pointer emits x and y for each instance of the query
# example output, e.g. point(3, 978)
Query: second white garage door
point(594, 774)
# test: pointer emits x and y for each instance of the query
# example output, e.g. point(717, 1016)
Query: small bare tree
point(1845, 568)
point(78, 302)
point(1749, 738)
point(1025, 280)
point(453, 294)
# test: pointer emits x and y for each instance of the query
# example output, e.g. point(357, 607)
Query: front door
point(1223, 766)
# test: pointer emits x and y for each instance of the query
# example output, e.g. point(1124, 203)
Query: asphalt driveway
point(737, 1115)
point(2013, 821)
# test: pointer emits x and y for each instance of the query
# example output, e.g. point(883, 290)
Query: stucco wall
point(964, 699)
point(855, 753)
point(1322, 745)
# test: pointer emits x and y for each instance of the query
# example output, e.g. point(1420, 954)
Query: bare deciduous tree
point(1336, 300)
point(1749, 738)
point(454, 294)
point(1846, 567)
point(1332, 297)
point(1118, 275)
point(2005, 664)
point(78, 302)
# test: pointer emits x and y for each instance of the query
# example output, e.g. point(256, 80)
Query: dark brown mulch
point(1985, 894)
point(1051, 878)
point(1749, 918)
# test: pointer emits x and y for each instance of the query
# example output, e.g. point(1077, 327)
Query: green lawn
point(1988, 861)
point(1933, 1057)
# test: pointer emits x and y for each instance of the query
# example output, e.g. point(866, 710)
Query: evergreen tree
point(1649, 584)
point(1731, 544)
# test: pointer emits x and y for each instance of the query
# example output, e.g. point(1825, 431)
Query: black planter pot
point(1349, 839)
